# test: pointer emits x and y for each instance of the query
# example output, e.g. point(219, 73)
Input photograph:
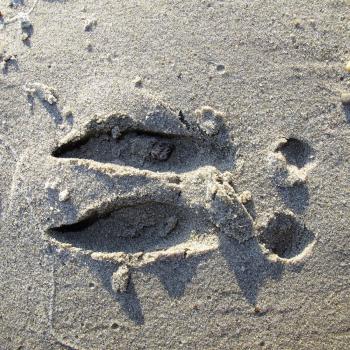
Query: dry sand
point(174, 174)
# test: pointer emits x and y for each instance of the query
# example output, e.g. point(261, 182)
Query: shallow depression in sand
point(145, 227)
point(284, 236)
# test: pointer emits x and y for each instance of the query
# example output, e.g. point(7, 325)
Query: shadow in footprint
point(53, 111)
point(103, 271)
point(10, 65)
point(130, 229)
point(141, 147)
point(129, 301)
point(284, 235)
point(28, 32)
point(176, 274)
point(246, 261)
point(346, 110)
point(296, 152)
point(249, 265)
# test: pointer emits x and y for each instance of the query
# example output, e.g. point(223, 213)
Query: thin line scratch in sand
point(56, 337)
point(52, 295)
point(15, 180)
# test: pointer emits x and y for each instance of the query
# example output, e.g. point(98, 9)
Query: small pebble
point(137, 82)
point(245, 197)
point(297, 22)
point(312, 23)
point(120, 279)
point(63, 196)
point(90, 25)
point(24, 36)
point(161, 151)
point(347, 67)
point(345, 98)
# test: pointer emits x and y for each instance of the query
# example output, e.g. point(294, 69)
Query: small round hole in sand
point(296, 152)
point(220, 68)
point(285, 236)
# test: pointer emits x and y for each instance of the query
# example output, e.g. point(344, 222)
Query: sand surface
point(174, 174)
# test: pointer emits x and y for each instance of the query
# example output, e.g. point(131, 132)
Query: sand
point(174, 174)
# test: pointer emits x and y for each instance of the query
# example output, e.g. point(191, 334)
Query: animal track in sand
point(129, 229)
point(142, 186)
point(283, 235)
point(168, 194)
point(119, 140)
